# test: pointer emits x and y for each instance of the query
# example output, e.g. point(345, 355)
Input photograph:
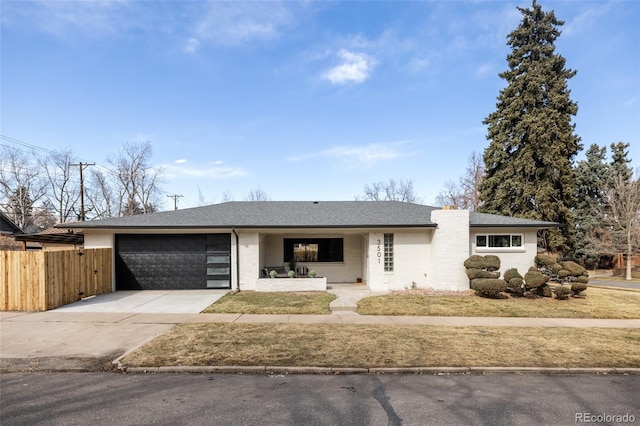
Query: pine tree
point(620, 160)
point(594, 176)
point(532, 145)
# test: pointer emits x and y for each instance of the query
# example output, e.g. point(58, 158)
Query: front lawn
point(598, 303)
point(251, 302)
point(341, 345)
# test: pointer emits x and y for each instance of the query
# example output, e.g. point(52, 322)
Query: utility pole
point(82, 165)
point(175, 200)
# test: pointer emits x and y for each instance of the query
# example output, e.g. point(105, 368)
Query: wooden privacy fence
point(39, 281)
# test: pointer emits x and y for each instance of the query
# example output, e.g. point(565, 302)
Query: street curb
point(376, 370)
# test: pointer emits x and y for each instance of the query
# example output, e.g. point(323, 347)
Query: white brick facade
point(449, 250)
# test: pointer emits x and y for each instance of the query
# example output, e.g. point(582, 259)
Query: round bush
point(489, 287)
point(516, 285)
point(544, 290)
point(535, 279)
point(582, 279)
point(509, 274)
point(562, 293)
point(472, 273)
point(545, 260)
point(573, 268)
point(488, 274)
point(474, 262)
point(563, 273)
point(491, 262)
point(578, 288)
point(556, 267)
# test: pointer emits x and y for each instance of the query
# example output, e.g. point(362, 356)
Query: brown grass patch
point(324, 345)
point(598, 303)
point(252, 302)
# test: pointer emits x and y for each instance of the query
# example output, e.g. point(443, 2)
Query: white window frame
point(510, 248)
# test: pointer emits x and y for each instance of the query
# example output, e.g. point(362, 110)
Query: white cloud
point(180, 161)
point(354, 68)
point(586, 19)
point(217, 163)
point(485, 69)
point(357, 156)
point(178, 170)
point(192, 45)
point(233, 23)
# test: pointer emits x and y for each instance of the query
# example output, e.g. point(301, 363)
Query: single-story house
point(384, 245)
point(54, 238)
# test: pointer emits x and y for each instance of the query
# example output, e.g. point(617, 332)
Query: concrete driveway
point(148, 302)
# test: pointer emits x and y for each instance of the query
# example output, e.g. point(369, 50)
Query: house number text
point(379, 251)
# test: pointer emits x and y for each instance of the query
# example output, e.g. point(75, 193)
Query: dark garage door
point(166, 262)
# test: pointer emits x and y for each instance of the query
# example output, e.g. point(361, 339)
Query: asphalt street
point(202, 399)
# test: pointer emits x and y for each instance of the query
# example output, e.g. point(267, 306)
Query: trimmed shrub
point(509, 274)
point(578, 288)
point(488, 274)
point(472, 273)
point(573, 268)
point(556, 267)
point(544, 291)
point(489, 287)
point(582, 279)
point(545, 260)
point(562, 293)
point(474, 262)
point(516, 286)
point(535, 279)
point(491, 262)
point(563, 273)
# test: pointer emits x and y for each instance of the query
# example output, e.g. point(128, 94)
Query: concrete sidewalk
point(64, 335)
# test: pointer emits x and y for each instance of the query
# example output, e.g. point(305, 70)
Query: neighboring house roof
point(7, 226)
point(53, 235)
point(477, 220)
point(297, 214)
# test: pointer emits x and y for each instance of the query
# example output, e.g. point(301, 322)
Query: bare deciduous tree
point(63, 192)
point(257, 194)
point(466, 192)
point(138, 182)
point(100, 197)
point(392, 190)
point(623, 200)
point(21, 187)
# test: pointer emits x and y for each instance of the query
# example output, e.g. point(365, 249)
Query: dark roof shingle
point(296, 214)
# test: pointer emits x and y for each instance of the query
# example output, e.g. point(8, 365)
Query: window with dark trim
point(499, 241)
point(314, 249)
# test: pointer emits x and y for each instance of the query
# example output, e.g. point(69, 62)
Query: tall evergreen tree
point(529, 160)
point(620, 160)
point(593, 178)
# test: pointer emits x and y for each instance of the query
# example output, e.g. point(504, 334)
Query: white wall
point(411, 260)
point(249, 260)
point(449, 250)
point(520, 258)
point(98, 240)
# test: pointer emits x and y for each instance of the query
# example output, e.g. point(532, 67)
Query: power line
point(175, 200)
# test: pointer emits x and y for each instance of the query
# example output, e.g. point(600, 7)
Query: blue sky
point(306, 100)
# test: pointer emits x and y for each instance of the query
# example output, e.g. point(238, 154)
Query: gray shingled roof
point(295, 214)
point(493, 220)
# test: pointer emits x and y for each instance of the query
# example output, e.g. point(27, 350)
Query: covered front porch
point(332, 258)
